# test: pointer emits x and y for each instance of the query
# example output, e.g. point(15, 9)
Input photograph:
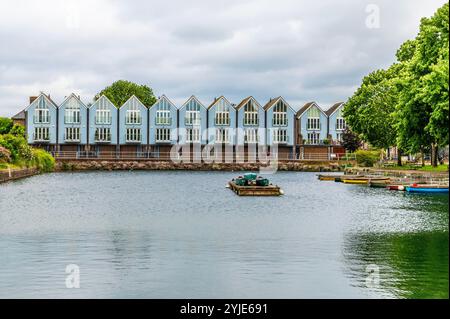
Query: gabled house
point(312, 125)
point(280, 124)
point(251, 122)
point(41, 122)
point(192, 122)
point(163, 126)
point(221, 122)
point(103, 126)
point(133, 127)
point(336, 123)
point(72, 124)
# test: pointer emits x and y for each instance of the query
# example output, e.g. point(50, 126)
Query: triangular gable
point(246, 100)
point(75, 97)
point(272, 102)
point(218, 100)
point(193, 97)
point(103, 97)
point(307, 106)
point(334, 108)
point(47, 99)
point(133, 98)
point(164, 98)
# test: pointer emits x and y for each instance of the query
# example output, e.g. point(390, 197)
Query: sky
point(302, 50)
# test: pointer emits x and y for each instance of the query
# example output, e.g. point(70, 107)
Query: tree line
point(407, 105)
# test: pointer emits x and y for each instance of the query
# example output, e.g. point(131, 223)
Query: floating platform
point(270, 190)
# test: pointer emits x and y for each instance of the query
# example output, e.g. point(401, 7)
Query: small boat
point(364, 180)
point(379, 183)
point(396, 187)
point(427, 188)
point(324, 177)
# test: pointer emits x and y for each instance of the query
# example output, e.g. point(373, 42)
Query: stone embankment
point(13, 174)
point(111, 165)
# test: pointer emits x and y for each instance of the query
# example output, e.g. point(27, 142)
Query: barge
point(252, 185)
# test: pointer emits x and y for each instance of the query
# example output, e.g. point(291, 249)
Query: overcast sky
point(303, 50)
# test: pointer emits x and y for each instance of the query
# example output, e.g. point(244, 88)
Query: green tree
point(370, 111)
point(422, 111)
point(120, 91)
point(5, 125)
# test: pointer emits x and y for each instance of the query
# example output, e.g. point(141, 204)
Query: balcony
point(314, 127)
point(163, 121)
point(41, 119)
point(41, 139)
point(193, 122)
point(251, 123)
point(72, 119)
point(103, 139)
point(103, 120)
point(283, 122)
point(133, 121)
point(222, 122)
point(71, 139)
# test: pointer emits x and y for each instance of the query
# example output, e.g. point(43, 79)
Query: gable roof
point(306, 107)
point(47, 97)
point(218, 99)
point(334, 108)
point(193, 97)
point(133, 97)
point(19, 116)
point(246, 100)
point(103, 97)
point(272, 102)
point(164, 97)
point(76, 97)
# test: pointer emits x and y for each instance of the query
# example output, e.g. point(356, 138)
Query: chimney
point(32, 98)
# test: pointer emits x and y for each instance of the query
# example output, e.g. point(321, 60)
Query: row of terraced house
point(150, 132)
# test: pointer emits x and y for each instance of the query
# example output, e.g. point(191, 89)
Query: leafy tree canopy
point(120, 91)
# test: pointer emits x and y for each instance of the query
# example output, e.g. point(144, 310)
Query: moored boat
point(426, 188)
point(364, 180)
point(396, 187)
point(252, 185)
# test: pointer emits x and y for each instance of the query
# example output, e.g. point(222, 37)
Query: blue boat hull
point(426, 190)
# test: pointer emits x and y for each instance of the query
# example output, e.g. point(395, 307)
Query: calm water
point(184, 235)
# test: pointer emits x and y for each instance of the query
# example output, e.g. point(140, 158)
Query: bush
point(5, 125)
point(367, 158)
point(18, 146)
point(43, 160)
point(5, 155)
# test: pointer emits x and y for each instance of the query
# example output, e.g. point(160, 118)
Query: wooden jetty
point(270, 190)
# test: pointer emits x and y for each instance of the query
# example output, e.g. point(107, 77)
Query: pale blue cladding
point(163, 119)
point(41, 120)
point(280, 123)
point(103, 122)
point(133, 122)
point(221, 122)
point(192, 122)
point(72, 119)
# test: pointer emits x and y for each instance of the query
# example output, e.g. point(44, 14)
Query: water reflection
point(411, 265)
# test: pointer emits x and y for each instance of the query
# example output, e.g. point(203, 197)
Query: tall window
point(280, 136)
point(313, 121)
point(192, 113)
point(339, 137)
point(192, 135)
point(163, 116)
point(72, 134)
point(133, 115)
point(250, 113)
point(340, 123)
point(251, 135)
point(41, 112)
point(222, 114)
point(133, 135)
point(280, 114)
point(41, 134)
point(222, 135)
point(162, 135)
point(72, 112)
point(313, 138)
point(103, 112)
point(103, 134)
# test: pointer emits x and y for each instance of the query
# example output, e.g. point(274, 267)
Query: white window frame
point(251, 135)
point(192, 118)
point(193, 135)
point(42, 116)
point(163, 117)
point(102, 134)
point(340, 124)
point(313, 123)
point(133, 117)
point(280, 114)
point(222, 136)
point(162, 135)
point(72, 134)
point(133, 135)
point(103, 116)
point(251, 114)
point(42, 133)
point(313, 138)
point(280, 136)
